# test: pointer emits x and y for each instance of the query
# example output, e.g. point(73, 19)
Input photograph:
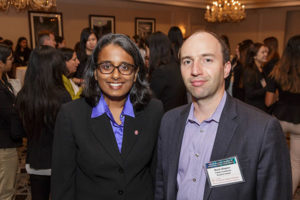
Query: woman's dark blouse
point(287, 108)
point(254, 91)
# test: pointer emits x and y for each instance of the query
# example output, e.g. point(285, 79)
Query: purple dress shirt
point(102, 108)
point(196, 149)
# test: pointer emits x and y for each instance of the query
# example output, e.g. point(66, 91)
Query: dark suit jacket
point(254, 137)
point(87, 164)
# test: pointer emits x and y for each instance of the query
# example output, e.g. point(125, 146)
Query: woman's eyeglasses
point(108, 68)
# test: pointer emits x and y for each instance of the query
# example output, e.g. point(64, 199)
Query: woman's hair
point(18, 47)
point(176, 38)
point(287, 72)
point(160, 51)
point(250, 65)
point(39, 99)
point(251, 53)
point(68, 55)
point(139, 93)
point(5, 52)
point(84, 36)
point(272, 44)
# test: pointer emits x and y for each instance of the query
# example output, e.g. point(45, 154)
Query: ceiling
point(203, 3)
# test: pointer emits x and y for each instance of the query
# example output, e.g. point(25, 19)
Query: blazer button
point(121, 171)
point(120, 192)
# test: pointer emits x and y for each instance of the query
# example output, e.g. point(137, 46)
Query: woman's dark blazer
point(86, 162)
point(11, 130)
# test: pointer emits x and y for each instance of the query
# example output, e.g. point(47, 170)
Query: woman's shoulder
point(154, 105)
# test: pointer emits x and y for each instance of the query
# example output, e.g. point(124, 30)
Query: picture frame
point(38, 21)
point(144, 26)
point(102, 24)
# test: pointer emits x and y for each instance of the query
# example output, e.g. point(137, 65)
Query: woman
point(285, 78)
point(88, 41)
point(164, 72)
point(104, 143)
point(176, 38)
point(22, 52)
point(72, 63)
point(254, 80)
point(8, 128)
point(38, 103)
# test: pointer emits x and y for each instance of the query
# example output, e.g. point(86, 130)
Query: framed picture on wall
point(39, 21)
point(102, 24)
point(144, 26)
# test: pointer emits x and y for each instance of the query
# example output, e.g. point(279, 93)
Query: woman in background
point(285, 78)
point(88, 41)
point(176, 38)
point(164, 72)
point(22, 52)
point(254, 80)
point(72, 63)
point(104, 145)
point(8, 128)
point(38, 103)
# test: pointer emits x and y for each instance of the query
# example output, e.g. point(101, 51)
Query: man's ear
point(227, 68)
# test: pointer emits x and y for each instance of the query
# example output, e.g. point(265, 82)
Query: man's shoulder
point(248, 113)
point(177, 113)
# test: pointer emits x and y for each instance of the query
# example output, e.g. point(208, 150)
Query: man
point(218, 147)
point(46, 38)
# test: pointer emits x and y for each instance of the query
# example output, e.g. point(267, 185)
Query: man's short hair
point(43, 35)
point(224, 47)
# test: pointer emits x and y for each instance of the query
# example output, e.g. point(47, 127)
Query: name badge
point(224, 172)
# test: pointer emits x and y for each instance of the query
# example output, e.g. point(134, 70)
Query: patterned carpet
point(22, 180)
point(23, 185)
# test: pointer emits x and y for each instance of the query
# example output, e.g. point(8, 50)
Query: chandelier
point(225, 11)
point(23, 4)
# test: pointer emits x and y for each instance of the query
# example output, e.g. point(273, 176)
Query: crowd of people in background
point(151, 66)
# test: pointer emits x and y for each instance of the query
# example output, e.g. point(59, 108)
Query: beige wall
point(75, 17)
point(260, 23)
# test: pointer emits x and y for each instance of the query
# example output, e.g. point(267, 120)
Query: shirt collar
point(102, 108)
point(214, 117)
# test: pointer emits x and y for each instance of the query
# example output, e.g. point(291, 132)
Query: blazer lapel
point(131, 125)
point(225, 132)
point(104, 133)
point(175, 152)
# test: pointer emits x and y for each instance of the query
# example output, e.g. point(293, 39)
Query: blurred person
point(237, 69)
point(8, 128)
point(60, 42)
point(254, 81)
point(88, 41)
point(46, 38)
point(38, 103)
point(72, 63)
point(273, 55)
point(9, 43)
point(164, 72)
point(285, 78)
point(200, 144)
point(104, 144)
point(22, 52)
point(176, 38)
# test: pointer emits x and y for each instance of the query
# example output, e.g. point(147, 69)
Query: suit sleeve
point(159, 182)
point(274, 169)
point(63, 159)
